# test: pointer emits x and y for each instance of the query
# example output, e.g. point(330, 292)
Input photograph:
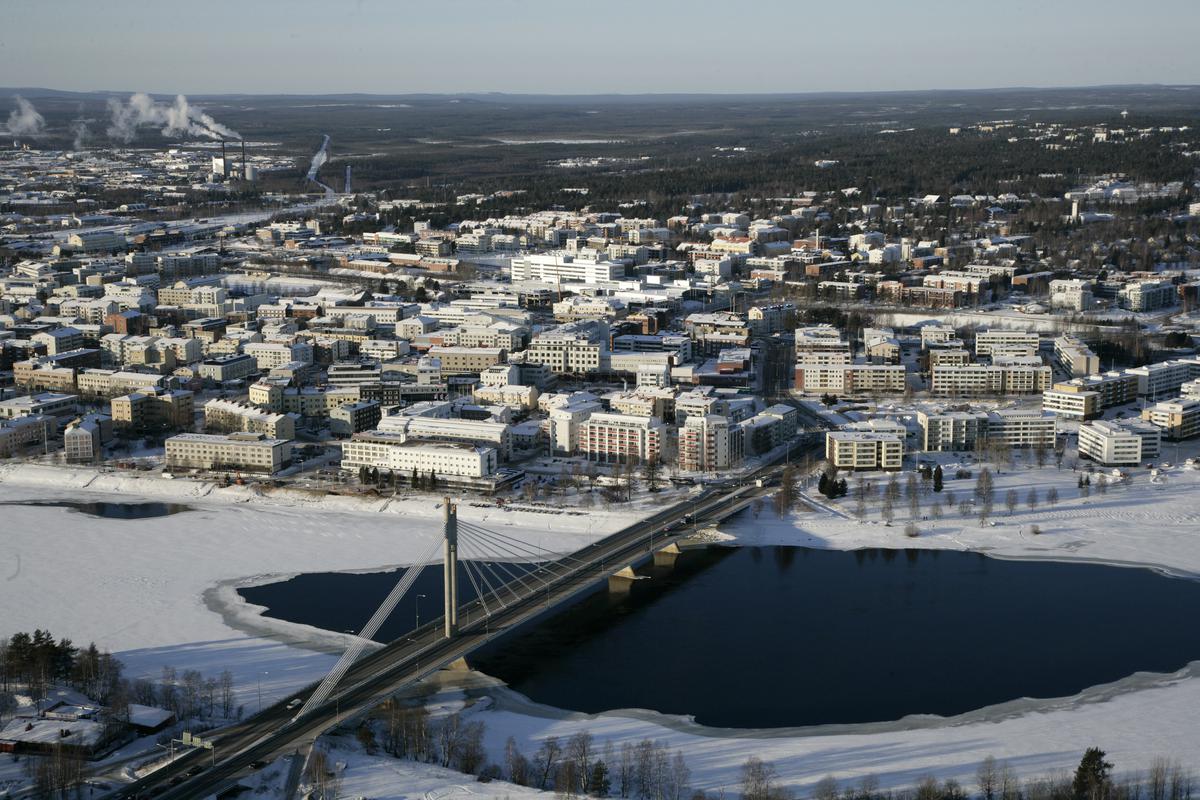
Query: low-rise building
point(351, 418)
point(1118, 443)
point(1178, 419)
point(243, 452)
point(864, 450)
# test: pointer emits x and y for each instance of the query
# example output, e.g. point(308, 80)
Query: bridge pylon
point(450, 566)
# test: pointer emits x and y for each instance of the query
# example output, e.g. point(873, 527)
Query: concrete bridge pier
point(666, 557)
point(621, 581)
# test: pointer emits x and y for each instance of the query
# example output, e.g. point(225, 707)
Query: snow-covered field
point(138, 588)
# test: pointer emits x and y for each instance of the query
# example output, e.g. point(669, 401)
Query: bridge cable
point(513, 577)
point(542, 566)
point(485, 563)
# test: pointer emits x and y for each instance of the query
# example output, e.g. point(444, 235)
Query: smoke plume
point(25, 120)
point(174, 121)
point(82, 134)
point(318, 160)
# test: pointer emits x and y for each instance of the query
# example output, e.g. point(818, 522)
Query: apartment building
point(1113, 443)
point(1021, 429)
point(350, 418)
point(1147, 295)
point(621, 439)
point(229, 416)
point(563, 267)
point(467, 360)
point(486, 433)
point(1072, 293)
point(243, 452)
point(228, 368)
point(20, 432)
point(1071, 401)
point(50, 404)
point(107, 383)
point(1158, 381)
point(1009, 341)
point(575, 348)
point(947, 357)
point(1074, 357)
point(707, 443)
point(981, 379)
point(153, 409)
point(821, 345)
point(269, 355)
point(952, 431)
point(937, 335)
point(864, 450)
point(1178, 419)
point(850, 378)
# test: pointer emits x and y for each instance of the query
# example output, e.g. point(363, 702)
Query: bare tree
point(758, 779)
point(1032, 498)
point(1010, 501)
point(1052, 496)
point(988, 778)
point(545, 759)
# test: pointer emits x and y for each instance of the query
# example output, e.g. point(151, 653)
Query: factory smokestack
point(243, 158)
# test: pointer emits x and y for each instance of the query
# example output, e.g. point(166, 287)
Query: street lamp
point(418, 617)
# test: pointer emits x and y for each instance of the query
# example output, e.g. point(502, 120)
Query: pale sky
point(580, 47)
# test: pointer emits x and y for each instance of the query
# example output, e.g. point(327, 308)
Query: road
point(371, 679)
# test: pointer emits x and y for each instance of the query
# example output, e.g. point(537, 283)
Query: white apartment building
point(621, 439)
point(1071, 293)
point(1022, 429)
point(982, 379)
point(497, 435)
point(1147, 295)
point(850, 378)
point(952, 431)
point(1075, 357)
point(709, 442)
point(390, 451)
point(227, 416)
point(269, 355)
point(1156, 381)
point(821, 345)
point(1009, 341)
point(114, 383)
point(246, 452)
point(1117, 444)
point(577, 348)
point(937, 334)
point(863, 450)
point(562, 267)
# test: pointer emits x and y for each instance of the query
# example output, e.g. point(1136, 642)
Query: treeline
point(1092, 779)
point(37, 661)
